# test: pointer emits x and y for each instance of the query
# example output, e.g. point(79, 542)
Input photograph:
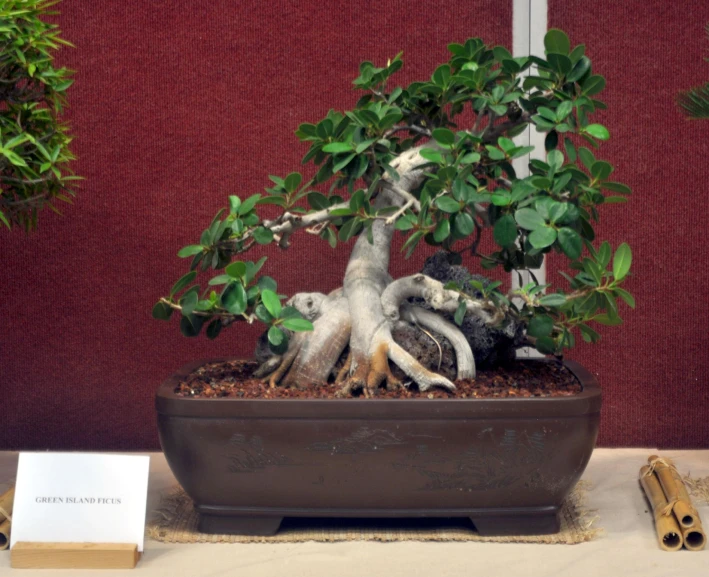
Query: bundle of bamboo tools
point(677, 522)
point(6, 500)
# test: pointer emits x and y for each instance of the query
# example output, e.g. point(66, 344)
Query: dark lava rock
point(491, 345)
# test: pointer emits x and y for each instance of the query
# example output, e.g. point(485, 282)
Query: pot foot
point(544, 523)
point(237, 525)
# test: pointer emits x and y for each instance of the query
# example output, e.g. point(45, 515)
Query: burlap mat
point(176, 522)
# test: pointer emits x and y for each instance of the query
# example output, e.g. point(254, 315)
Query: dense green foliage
point(470, 186)
point(34, 143)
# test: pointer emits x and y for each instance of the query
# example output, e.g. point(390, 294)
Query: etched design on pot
point(247, 455)
point(363, 440)
point(506, 460)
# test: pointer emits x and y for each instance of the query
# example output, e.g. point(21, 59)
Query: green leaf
point(443, 231)
point(364, 145)
point(162, 311)
point(579, 69)
point(561, 63)
point(506, 144)
point(237, 269)
point(338, 147)
point(617, 187)
point(570, 242)
point(505, 231)
point(234, 298)
point(262, 235)
point(588, 334)
point(598, 131)
point(540, 326)
point(275, 336)
point(542, 237)
point(432, 155)
point(248, 204)
point(338, 166)
point(495, 153)
point(529, 219)
point(553, 300)
point(351, 228)
point(441, 75)
point(460, 313)
point(564, 109)
point(626, 296)
point(189, 302)
point(557, 42)
point(262, 314)
point(234, 204)
point(298, 325)
point(593, 85)
point(271, 302)
point(190, 250)
point(557, 211)
point(448, 204)
point(191, 325)
point(463, 224)
point(570, 149)
point(221, 279)
point(266, 283)
point(214, 328)
point(604, 254)
point(587, 157)
point(292, 181)
point(183, 282)
point(546, 345)
point(608, 320)
point(621, 262)
point(443, 136)
point(555, 159)
point(601, 170)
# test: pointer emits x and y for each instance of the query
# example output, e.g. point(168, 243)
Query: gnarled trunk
point(356, 314)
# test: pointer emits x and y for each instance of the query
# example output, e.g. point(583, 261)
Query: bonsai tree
point(695, 101)
point(34, 143)
point(399, 161)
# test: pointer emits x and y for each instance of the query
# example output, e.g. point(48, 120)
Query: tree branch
point(492, 133)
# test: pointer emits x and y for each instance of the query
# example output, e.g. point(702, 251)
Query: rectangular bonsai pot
point(507, 464)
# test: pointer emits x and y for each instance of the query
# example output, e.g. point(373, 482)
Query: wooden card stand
point(26, 555)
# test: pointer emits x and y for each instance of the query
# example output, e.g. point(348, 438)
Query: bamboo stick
point(4, 535)
point(694, 538)
point(6, 501)
point(668, 532)
point(676, 492)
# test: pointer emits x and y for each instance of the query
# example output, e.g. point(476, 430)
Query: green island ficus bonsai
point(34, 142)
point(399, 161)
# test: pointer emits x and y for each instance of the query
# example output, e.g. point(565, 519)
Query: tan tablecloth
point(628, 548)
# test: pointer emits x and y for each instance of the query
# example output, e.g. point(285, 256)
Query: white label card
point(80, 497)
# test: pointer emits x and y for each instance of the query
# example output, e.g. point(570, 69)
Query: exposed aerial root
point(463, 353)
point(345, 370)
point(424, 378)
point(293, 349)
point(268, 366)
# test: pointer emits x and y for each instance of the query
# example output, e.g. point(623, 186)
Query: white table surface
point(628, 548)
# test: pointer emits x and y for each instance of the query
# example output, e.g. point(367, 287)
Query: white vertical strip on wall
point(529, 25)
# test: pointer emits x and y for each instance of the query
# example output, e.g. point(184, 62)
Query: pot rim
point(588, 401)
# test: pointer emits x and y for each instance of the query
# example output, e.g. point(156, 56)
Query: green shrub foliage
point(34, 142)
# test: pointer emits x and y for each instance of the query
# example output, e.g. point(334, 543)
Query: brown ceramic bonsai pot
point(507, 464)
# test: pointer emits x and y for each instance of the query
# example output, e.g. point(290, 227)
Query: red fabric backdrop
point(655, 368)
point(177, 105)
